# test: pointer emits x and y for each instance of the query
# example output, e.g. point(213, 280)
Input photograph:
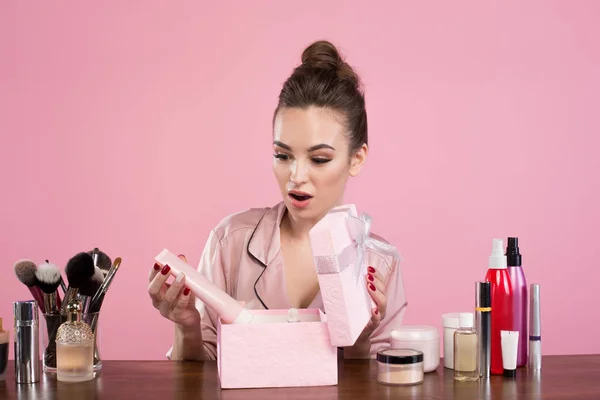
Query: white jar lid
point(415, 333)
point(452, 320)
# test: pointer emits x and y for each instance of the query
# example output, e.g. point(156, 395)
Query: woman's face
point(311, 160)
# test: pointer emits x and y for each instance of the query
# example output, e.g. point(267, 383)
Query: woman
point(262, 257)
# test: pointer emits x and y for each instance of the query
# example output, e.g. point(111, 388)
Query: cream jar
point(400, 367)
point(425, 339)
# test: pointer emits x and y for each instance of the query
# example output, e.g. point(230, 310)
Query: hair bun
point(324, 55)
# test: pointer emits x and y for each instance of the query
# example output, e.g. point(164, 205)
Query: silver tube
point(483, 326)
point(27, 342)
point(535, 328)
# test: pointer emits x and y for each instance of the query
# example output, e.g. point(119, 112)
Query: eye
point(282, 157)
point(319, 160)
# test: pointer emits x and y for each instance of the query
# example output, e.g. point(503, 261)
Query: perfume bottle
point(465, 350)
point(27, 341)
point(74, 347)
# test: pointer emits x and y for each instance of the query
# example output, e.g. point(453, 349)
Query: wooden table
point(562, 377)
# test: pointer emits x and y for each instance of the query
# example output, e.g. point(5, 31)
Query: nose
point(299, 172)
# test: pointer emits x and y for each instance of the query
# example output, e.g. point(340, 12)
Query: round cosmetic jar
point(400, 367)
point(425, 339)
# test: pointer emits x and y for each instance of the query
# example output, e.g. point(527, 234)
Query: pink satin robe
point(242, 256)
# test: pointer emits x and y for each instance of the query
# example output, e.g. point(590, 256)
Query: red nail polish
point(156, 266)
point(376, 311)
point(370, 277)
point(186, 291)
point(372, 270)
point(372, 287)
point(165, 270)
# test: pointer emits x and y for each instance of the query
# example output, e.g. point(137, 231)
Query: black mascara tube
point(483, 324)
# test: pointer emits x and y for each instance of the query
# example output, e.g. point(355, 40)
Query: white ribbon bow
point(360, 229)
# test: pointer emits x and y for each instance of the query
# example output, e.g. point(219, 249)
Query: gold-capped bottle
point(74, 347)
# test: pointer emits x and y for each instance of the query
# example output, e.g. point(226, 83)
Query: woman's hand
point(376, 288)
point(174, 301)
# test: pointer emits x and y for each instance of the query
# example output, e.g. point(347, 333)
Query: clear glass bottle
point(74, 347)
point(465, 350)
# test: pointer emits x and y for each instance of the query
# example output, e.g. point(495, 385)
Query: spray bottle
point(519, 287)
point(502, 303)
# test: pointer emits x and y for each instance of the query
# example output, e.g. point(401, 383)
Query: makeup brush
point(63, 286)
point(25, 272)
point(89, 288)
point(98, 298)
point(101, 260)
point(48, 276)
point(79, 270)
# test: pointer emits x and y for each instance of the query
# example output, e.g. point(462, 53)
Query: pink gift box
point(260, 348)
point(271, 352)
point(338, 243)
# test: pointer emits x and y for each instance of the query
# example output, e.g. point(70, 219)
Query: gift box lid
point(339, 259)
point(333, 226)
point(339, 242)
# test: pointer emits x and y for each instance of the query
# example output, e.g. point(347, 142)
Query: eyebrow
point(312, 148)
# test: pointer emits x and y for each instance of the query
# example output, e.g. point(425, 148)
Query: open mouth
point(300, 197)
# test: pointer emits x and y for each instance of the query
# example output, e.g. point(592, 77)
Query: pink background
point(118, 122)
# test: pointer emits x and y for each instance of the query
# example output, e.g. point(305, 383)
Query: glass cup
point(49, 326)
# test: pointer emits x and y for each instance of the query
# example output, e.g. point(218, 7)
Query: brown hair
point(325, 80)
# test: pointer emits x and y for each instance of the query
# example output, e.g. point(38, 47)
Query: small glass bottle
point(465, 350)
point(74, 347)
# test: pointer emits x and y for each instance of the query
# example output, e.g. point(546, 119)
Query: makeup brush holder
point(49, 326)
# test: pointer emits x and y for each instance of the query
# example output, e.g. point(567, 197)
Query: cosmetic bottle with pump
point(4, 338)
point(502, 303)
point(74, 347)
point(519, 288)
